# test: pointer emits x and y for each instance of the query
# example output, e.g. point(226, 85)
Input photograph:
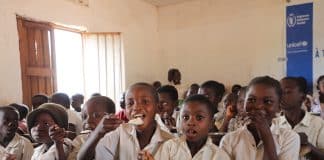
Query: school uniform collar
point(14, 142)
point(158, 136)
point(209, 144)
point(305, 121)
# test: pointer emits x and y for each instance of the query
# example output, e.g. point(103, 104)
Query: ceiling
point(164, 2)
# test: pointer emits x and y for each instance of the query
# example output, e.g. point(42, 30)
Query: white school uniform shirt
point(75, 119)
point(19, 146)
point(240, 144)
point(77, 143)
point(40, 152)
point(122, 143)
point(177, 149)
point(312, 126)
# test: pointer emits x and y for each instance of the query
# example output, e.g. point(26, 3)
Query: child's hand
point(108, 123)
point(230, 112)
point(259, 120)
point(9, 156)
point(57, 134)
point(144, 155)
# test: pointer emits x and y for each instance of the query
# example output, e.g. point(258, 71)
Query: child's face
point(262, 98)
point(291, 97)
point(195, 121)
point(92, 114)
point(140, 101)
point(210, 94)
point(321, 86)
point(8, 123)
point(166, 105)
point(39, 131)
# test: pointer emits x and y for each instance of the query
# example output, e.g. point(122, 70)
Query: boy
point(168, 102)
point(75, 122)
point(77, 101)
point(310, 127)
point(214, 91)
point(47, 125)
point(38, 100)
point(94, 111)
point(196, 121)
point(128, 140)
point(259, 139)
point(12, 145)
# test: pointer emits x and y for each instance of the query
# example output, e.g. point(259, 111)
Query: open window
point(58, 59)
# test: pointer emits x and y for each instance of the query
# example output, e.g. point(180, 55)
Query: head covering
point(57, 112)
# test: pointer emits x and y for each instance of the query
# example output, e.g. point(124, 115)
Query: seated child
point(122, 113)
point(310, 127)
point(168, 102)
point(230, 111)
point(77, 101)
point(259, 139)
point(95, 109)
point(12, 145)
point(47, 125)
point(196, 120)
point(38, 100)
point(238, 120)
point(214, 91)
point(23, 111)
point(129, 139)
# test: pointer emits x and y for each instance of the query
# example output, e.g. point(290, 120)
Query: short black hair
point(171, 73)
point(146, 85)
point(104, 101)
point(194, 85)
point(10, 108)
point(22, 109)
point(218, 88)
point(203, 100)
point(301, 83)
point(236, 88)
point(62, 99)
point(170, 90)
point(268, 81)
point(320, 79)
point(77, 96)
point(41, 96)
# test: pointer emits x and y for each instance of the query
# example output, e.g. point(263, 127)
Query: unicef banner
point(299, 40)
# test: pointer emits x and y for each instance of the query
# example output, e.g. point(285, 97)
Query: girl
point(259, 139)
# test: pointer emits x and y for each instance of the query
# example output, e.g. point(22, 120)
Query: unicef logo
point(291, 20)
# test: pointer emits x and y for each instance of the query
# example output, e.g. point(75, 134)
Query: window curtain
point(102, 64)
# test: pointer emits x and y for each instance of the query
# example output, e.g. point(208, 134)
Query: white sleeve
point(108, 146)
point(290, 146)
point(225, 145)
point(163, 151)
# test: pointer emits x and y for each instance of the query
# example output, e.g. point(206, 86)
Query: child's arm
point(261, 124)
point(315, 152)
point(228, 116)
point(107, 124)
point(145, 155)
point(57, 134)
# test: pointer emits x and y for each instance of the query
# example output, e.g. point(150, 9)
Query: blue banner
point(299, 36)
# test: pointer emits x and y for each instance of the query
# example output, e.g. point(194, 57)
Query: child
point(214, 91)
point(192, 90)
point(38, 100)
point(259, 139)
point(238, 120)
point(47, 125)
point(230, 111)
point(75, 122)
point(12, 145)
point(122, 113)
point(309, 126)
point(94, 110)
point(196, 121)
point(128, 140)
point(22, 124)
point(77, 101)
point(316, 107)
point(174, 79)
point(168, 99)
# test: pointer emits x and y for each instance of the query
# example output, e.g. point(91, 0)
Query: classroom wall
point(136, 20)
point(229, 41)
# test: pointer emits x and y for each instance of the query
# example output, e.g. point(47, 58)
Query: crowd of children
point(265, 120)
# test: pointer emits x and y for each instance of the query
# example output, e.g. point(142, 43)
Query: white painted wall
point(229, 41)
point(136, 20)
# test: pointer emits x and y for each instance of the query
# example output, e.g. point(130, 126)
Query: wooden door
point(37, 58)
